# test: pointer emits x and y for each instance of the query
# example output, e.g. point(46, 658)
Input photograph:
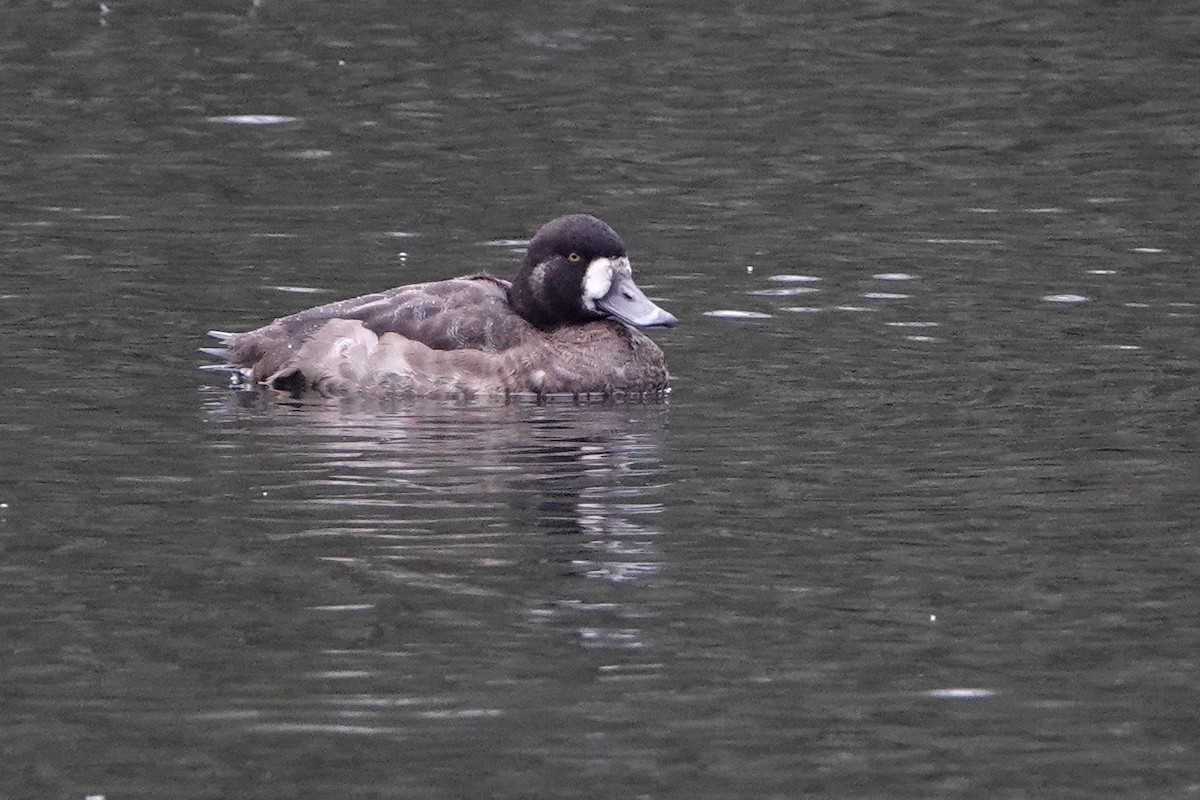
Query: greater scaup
point(567, 324)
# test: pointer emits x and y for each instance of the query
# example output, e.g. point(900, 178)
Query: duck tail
point(223, 354)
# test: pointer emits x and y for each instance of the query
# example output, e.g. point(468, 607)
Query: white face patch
point(597, 281)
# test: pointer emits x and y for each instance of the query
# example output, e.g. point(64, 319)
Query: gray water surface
point(918, 519)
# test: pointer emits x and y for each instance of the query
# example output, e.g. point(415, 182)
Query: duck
point(569, 323)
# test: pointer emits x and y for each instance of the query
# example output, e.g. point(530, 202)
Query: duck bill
point(625, 301)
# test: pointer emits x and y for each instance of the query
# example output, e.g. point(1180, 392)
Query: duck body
point(568, 324)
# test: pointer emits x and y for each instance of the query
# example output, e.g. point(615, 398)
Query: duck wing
point(470, 313)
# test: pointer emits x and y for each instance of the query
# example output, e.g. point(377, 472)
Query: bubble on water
point(894, 276)
point(794, 278)
point(853, 309)
point(885, 296)
point(1101, 272)
point(801, 309)
point(1065, 298)
point(912, 324)
point(1148, 250)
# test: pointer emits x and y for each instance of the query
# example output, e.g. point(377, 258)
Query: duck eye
point(574, 257)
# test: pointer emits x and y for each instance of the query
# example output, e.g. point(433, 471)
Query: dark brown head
point(576, 271)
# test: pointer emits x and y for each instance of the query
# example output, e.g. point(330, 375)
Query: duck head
point(576, 271)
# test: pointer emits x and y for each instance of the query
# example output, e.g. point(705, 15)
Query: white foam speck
point(342, 674)
point(400, 234)
point(852, 308)
point(347, 607)
point(1046, 210)
point(1065, 298)
point(885, 296)
point(297, 289)
point(1137, 305)
point(1148, 250)
point(1120, 347)
point(253, 119)
point(920, 338)
point(962, 241)
point(801, 309)
point(912, 324)
point(729, 313)
point(794, 278)
point(984, 210)
point(785, 292)
point(893, 276)
point(960, 694)
point(1101, 272)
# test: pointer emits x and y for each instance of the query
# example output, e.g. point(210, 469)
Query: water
point(918, 519)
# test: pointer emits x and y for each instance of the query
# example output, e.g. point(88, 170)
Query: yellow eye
point(574, 257)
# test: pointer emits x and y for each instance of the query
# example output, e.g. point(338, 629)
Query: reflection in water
point(442, 530)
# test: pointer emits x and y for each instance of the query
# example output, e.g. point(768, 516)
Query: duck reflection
point(460, 502)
